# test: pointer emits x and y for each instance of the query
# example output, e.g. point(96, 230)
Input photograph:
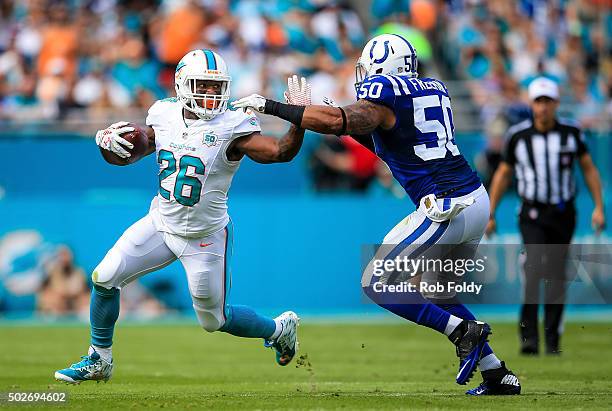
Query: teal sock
point(243, 321)
point(103, 313)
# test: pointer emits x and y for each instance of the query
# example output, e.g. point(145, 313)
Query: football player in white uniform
point(199, 145)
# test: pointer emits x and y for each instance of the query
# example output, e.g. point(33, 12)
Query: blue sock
point(457, 309)
point(103, 313)
point(243, 321)
point(413, 307)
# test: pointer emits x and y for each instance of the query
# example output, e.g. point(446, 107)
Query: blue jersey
point(420, 149)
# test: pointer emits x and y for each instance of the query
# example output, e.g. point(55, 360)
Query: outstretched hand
point(254, 101)
point(299, 93)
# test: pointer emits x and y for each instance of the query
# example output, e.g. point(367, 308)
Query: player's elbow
point(284, 157)
point(284, 153)
point(272, 158)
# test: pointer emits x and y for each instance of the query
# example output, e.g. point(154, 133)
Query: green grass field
point(389, 366)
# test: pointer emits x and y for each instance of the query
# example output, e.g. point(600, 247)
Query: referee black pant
point(547, 231)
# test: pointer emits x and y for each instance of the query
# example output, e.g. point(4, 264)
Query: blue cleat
point(286, 344)
point(500, 381)
point(91, 368)
point(469, 338)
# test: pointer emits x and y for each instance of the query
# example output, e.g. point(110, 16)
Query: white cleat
point(286, 344)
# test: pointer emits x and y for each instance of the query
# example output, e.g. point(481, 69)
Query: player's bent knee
point(210, 318)
point(105, 274)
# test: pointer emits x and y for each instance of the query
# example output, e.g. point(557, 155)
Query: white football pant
point(142, 249)
point(417, 236)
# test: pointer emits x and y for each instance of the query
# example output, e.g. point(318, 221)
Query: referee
point(542, 153)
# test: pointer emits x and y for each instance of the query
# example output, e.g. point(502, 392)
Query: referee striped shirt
point(543, 162)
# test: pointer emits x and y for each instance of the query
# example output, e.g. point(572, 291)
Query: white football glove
point(298, 93)
point(110, 139)
point(254, 101)
point(328, 101)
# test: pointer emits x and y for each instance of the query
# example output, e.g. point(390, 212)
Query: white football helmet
point(386, 54)
point(202, 65)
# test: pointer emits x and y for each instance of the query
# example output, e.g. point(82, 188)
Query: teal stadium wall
point(292, 248)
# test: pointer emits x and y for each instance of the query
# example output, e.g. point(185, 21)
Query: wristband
point(289, 112)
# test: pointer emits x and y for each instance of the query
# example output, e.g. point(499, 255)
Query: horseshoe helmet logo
point(384, 57)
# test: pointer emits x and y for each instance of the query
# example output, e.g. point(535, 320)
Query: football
point(140, 141)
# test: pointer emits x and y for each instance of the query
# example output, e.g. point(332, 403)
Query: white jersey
point(194, 172)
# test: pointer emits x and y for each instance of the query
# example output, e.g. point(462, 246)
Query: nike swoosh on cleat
point(205, 244)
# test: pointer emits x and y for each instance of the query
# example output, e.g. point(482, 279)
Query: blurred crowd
point(107, 54)
point(500, 46)
point(92, 61)
point(42, 277)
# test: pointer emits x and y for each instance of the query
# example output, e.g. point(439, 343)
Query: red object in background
point(364, 161)
point(166, 78)
point(181, 30)
point(423, 14)
point(275, 35)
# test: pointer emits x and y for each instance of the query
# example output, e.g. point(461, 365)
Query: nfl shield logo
point(210, 139)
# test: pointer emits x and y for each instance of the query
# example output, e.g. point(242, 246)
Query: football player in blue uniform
point(408, 123)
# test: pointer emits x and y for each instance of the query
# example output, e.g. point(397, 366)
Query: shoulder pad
point(380, 89)
point(159, 109)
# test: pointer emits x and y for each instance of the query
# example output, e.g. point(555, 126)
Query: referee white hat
point(543, 87)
